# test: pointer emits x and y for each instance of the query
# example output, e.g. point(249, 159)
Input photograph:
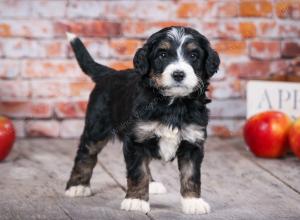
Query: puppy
point(158, 110)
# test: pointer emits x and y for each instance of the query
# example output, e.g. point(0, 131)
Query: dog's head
point(177, 60)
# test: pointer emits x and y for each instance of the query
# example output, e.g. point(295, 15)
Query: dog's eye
point(163, 55)
point(194, 56)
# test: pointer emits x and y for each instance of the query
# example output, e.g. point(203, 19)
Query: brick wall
point(43, 90)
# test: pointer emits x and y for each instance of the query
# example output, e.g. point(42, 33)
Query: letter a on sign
point(280, 96)
point(265, 100)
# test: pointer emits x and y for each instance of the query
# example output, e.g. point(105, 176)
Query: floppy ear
point(212, 62)
point(140, 61)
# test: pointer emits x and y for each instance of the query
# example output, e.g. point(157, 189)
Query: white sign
point(282, 96)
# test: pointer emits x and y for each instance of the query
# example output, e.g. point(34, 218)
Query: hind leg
point(154, 186)
point(85, 161)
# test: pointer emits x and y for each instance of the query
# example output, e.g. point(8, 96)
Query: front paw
point(135, 205)
point(194, 206)
point(77, 191)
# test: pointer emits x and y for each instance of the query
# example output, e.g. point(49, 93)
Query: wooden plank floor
point(237, 185)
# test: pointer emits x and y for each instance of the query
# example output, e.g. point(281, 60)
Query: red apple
point(266, 134)
point(294, 137)
point(7, 137)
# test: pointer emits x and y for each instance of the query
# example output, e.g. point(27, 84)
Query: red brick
point(226, 29)
point(291, 49)
point(257, 69)
point(19, 126)
point(220, 109)
point(230, 87)
point(50, 68)
point(227, 9)
point(150, 10)
point(1, 49)
point(82, 88)
point(48, 9)
point(268, 29)
point(70, 109)
point(82, 105)
point(279, 67)
point(145, 29)
point(9, 68)
point(49, 88)
point(289, 29)
point(256, 8)
point(93, 28)
point(288, 9)
point(20, 48)
point(124, 47)
point(27, 28)
point(10, 89)
point(251, 69)
point(247, 29)
point(146, 10)
point(71, 128)
point(5, 30)
point(120, 65)
point(219, 130)
point(265, 50)
point(21, 109)
point(53, 48)
point(79, 9)
point(119, 10)
point(226, 128)
point(213, 29)
point(228, 47)
point(196, 9)
point(295, 68)
point(13, 8)
point(42, 128)
point(40, 110)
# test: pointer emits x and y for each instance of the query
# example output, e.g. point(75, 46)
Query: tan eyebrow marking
point(192, 46)
point(165, 45)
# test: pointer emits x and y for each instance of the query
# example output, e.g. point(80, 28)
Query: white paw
point(157, 188)
point(194, 206)
point(135, 205)
point(80, 190)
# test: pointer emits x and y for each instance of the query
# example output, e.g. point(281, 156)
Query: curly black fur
point(120, 99)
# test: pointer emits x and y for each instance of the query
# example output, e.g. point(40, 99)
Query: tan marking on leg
point(97, 147)
point(139, 189)
point(188, 187)
point(83, 167)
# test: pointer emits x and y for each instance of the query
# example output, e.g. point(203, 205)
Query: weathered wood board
point(48, 164)
point(236, 184)
point(235, 187)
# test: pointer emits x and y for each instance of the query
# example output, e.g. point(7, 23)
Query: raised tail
point(85, 61)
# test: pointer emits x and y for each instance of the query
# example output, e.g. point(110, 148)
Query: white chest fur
point(169, 138)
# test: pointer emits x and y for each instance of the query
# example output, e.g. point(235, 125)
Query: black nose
point(178, 75)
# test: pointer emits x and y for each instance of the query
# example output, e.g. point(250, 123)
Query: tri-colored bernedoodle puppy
point(158, 110)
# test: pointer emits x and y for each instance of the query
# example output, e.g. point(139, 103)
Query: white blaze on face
point(190, 81)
